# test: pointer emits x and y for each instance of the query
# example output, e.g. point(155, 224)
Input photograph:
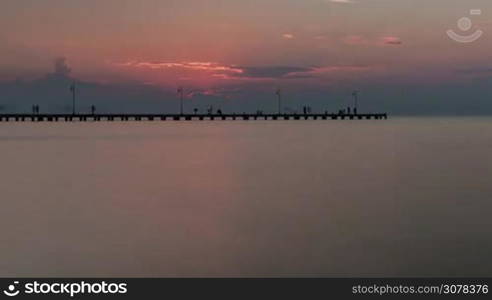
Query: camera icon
point(465, 24)
point(11, 290)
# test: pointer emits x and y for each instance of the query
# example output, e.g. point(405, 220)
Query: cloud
point(61, 67)
point(391, 40)
point(319, 71)
point(218, 70)
point(288, 36)
point(271, 71)
point(358, 40)
point(251, 73)
point(196, 66)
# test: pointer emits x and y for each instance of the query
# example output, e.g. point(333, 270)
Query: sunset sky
point(219, 48)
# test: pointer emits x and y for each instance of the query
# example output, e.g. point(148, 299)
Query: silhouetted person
point(93, 109)
point(304, 109)
point(219, 111)
point(348, 110)
point(195, 110)
point(355, 111)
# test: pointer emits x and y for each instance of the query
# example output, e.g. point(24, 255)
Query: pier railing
point(183, 117)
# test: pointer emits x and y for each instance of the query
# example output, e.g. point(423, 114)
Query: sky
point(132, 55)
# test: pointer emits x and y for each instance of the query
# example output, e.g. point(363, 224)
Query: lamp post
point(73, 90)
point(355, 94)
point(181, 94)
point(279, 95)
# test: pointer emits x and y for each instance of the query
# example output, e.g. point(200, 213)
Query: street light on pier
point(355, 94)
point(181, 94)
point(73, 90)
point(279, 95)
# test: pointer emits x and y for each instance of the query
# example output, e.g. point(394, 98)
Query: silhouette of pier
point(183, 117)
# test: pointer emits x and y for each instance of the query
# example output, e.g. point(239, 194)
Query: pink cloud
point(358, 40)
point(218, 71)
point(197, 66)
point(391, 40)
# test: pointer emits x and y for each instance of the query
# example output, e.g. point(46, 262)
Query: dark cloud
point(61, 67)
point(392, 40)
point(271, 72)
point(220, 70)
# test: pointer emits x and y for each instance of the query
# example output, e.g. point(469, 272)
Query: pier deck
point(184, 117)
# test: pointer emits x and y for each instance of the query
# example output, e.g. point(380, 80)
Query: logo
point(11, 291)
point(465, 24)
point(66, 288)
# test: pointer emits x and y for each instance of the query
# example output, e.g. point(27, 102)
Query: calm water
point(403, 197)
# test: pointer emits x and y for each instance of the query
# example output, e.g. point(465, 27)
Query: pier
point(183, 117)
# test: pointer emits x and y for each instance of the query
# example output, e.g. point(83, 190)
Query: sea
point(403, 197)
